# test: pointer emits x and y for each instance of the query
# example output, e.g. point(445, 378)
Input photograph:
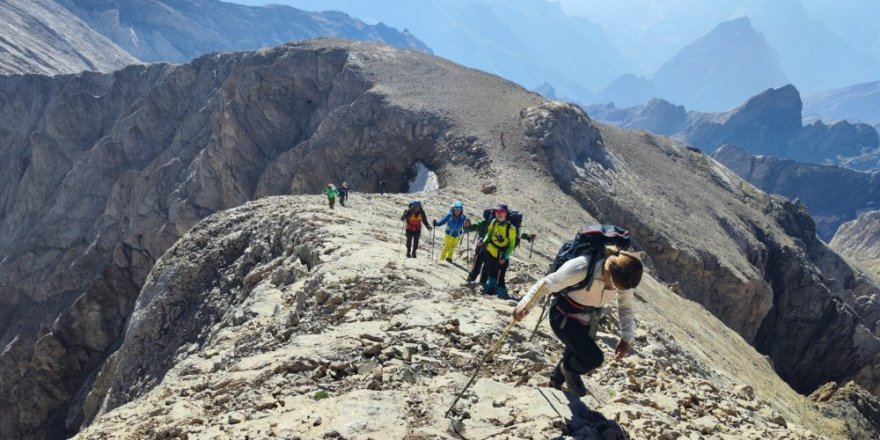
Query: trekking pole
point(480, 365)
point(531, 243)
point(400, 240)
point(485, 357)
point(432, 242)
point(540, 318)
point(467, 255)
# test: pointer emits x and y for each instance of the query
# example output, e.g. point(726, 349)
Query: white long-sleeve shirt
point(594, 294)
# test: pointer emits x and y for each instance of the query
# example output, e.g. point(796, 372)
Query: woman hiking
point(498, 245)
point(414, 216)
point(574, 314)
point(331, 193)
point(455, 221)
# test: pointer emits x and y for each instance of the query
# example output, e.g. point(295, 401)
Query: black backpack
point(514, 218)
point(590, 241)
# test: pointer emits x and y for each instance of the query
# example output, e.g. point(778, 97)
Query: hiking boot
point(574, 382)
point(408, 255)
point(485, 290)
point(449, 260)
point(501, 293)
point(471, 279)
point(556, 377)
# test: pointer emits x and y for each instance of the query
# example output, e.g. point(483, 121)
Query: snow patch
point(425, 180)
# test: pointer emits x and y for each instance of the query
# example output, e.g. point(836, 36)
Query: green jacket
point(331, 192)
point(500, 237)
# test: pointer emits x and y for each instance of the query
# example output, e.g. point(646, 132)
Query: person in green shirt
point(498, 245)
point(331, 192)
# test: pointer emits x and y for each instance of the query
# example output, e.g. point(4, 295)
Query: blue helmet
point(458, 205)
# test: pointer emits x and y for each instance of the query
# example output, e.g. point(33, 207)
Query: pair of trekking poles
point(400, 241)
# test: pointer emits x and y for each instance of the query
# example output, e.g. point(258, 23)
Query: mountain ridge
point(39, 36)
point(168, 145)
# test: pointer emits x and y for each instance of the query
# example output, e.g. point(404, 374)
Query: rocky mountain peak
point(721, 68)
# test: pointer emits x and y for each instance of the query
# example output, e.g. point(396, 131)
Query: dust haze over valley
point(169, 268)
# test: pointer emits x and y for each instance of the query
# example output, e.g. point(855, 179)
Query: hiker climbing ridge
point(455, 222)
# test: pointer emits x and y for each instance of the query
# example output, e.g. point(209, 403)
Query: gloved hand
point(434, 222)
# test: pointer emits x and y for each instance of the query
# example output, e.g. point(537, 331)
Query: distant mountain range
point(40, 36)
point(832, 194)
point(860, 102)
point(68, 36)
point(529, 42)
point(769, 123)
point(180, 30)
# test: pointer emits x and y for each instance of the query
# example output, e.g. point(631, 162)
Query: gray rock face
point(180, 30)
point(768, 124)
point(40, 36)
point(832, 194)
point(102, 173)
point(860, 240)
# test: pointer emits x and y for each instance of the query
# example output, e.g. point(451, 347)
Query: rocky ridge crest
point(281, 319)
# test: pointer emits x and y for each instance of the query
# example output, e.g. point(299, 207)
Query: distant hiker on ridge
point(455, 221)
point(413, 217)
point(331, 193)
point(343, 193)
point(592, 276)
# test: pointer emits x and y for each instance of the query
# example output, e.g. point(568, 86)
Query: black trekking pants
point(479, 257)
point(412, 241)
point(342, 198)
point(492, 267)
point(581, 354)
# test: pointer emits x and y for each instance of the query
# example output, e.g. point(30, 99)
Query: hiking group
point(332, 192)
point(588, 274)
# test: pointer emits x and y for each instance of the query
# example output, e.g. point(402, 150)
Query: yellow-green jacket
point(500, 236)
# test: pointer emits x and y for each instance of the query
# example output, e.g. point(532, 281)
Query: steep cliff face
point(859, 239)
point(40, 36)
point(180, 30)
point(104, 172)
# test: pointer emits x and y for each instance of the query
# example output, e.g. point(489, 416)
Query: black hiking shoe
point(449, 260)
point(556, 377)
point(574, 382)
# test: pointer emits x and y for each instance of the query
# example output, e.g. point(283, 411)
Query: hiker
point(414, 216)
point(343, 193)
point(479, 228)
point(498, 245)
point(575, 311)
point(331, 193)
point(455, 221)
